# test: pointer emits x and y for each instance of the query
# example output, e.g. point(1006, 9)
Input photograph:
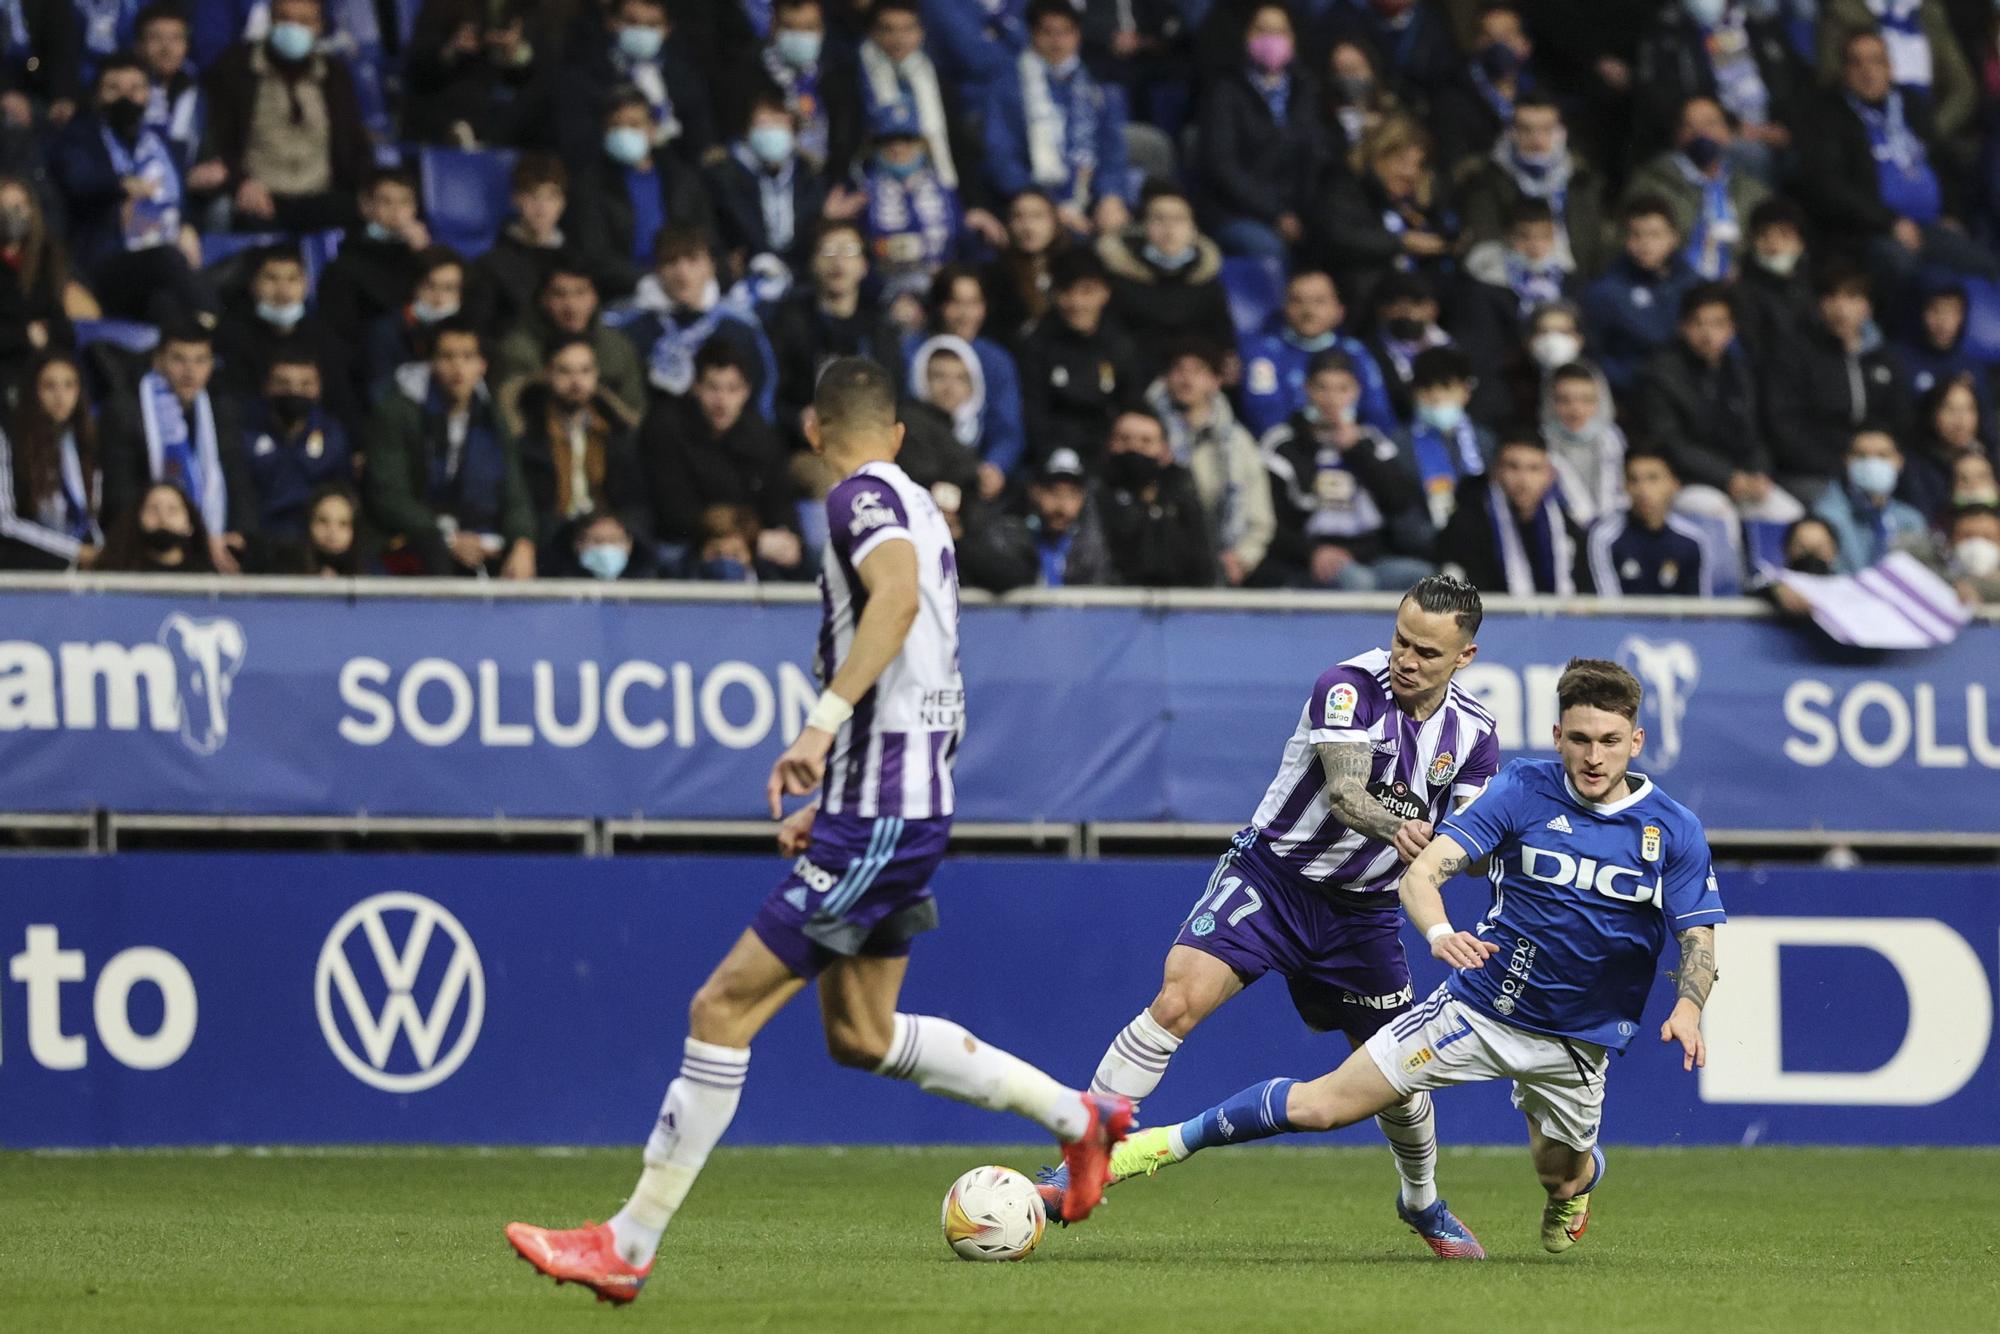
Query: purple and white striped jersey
point(894, 756)
point(1422, 771)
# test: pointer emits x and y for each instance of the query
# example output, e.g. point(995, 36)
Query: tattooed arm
point(1418, 889)
point(1695, 979)
point(1347, 764)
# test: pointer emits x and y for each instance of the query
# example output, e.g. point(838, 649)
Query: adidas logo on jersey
point(1560, 824)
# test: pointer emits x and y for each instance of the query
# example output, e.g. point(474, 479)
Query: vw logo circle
point(393, 1008)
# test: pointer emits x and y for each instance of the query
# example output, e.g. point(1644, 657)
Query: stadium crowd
point(1570, 296)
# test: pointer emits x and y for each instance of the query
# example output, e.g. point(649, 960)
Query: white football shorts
point(1558, 1082)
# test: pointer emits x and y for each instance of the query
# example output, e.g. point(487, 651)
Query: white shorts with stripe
point(1558, 1082)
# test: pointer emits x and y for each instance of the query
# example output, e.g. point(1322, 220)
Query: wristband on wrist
point(829, 712)
point(1441, 929)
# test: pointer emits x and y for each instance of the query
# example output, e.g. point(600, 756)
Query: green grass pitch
point(847, 1239)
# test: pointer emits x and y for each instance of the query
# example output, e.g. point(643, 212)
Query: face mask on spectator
point(604, 560)
point(902, 171)
point(124, 116)
point(377, 232)
point(1271, 51)
point(1810, 565)
point(14, 226)
point(1978, 556)
point(771, 143)
point(1960, 499)
point(1555, 348)
point(1405, 330)
point(641, 43)
point(626, 144)
point(1874, 477)
point(1317, 343)
point(798, 46)
point(289, 410)
point(1780, 264)
point(1156, 256)
point(425, 313)
point(1707, 13)
point(292, 41)
point(1132, 471)
point(284, 317)
point(1440, 416)
point(1703, 151)
point(1354, 88)
point(161, 541)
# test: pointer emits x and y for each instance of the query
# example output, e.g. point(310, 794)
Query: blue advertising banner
point(387, 706)
point(241, 998)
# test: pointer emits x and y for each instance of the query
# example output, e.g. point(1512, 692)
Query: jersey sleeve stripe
point(1335, 735)
point(1717, 913)
point(1463, 839)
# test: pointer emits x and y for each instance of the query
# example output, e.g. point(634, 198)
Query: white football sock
point(1136, 1059)
point(698, 1108)
point(940, 1057)
point(1411, 1130)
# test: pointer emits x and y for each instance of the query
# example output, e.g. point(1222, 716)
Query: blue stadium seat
point(1726, 580)
point(1764, 543)
point(1982, 317)
point(220, 247)
point(130, 335)
point(465, 195)
point(319, 249)
point(1256, 287)
point(406, 22)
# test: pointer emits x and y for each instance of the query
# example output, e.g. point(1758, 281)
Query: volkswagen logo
point(377, 988)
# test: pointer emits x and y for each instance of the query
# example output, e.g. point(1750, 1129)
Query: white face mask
point(1555, 348)
point(1979, 557)
point(1780, 264)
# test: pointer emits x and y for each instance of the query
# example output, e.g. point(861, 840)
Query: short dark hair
point(185, 331)
point(1439, 365)
point(947, 278)
point(1522, 434)
point(1963, 512)
point(1331, 360)
point(1575, 370)
point(1528, 210)
point(854, 394)
point(290, 352)
point(1652, 454)
point(565, 343)
point(432, 258)
point(1841, 277)
point(834, 226)
point(375, 179)
point(1078, 264)
point(679, 241)
point(160, 11)
point(722, 353)
point(112, 63)
point(1703, 295)
point(886, 6)
point(566, 264)
point(1202, 350)
point(1537, 99)
point(456, 325)
point(1442, 594)
point(1159, 188)
point(282, 252)
point(535, 170)
point(1041, 9)
point(1777, 211)
point(1594, 683)
point(1647, 206)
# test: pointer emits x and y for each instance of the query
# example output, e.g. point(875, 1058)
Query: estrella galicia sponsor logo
point(429, 991)
point(179, 683)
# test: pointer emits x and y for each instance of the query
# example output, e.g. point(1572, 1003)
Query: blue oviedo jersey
point(1585, 895)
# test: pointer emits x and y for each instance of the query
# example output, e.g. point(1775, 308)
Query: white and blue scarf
point(1901, 22)
point(178, 119)
point(913, 223)
point(107, 24)
point(800, 85)
point(774, 195)
point(884, 81)
point(188, 459)
point(155, 221)
point(1549, 532)
point(650, 78)
point(1739, 84)
point(1062, 114)
point(1711, 244)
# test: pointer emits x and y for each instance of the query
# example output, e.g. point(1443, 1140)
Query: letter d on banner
point(1951, 1014)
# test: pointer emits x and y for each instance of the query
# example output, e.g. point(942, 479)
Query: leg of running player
point(1411, 1129)
point(1569, 1175)
point(1193, 987)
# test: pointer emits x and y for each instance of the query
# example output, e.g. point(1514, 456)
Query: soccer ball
point(993, 1213)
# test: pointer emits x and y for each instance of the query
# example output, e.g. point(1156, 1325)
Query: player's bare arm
point(1347, 764)
point(890, 576)
point(1695, 978)
point(1419, 889)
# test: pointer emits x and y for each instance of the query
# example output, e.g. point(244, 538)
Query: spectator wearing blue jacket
point(1862, 510)
point(1630, 313)
point(126, 199)
point(1937, 352)
point(958, 308)
point(292, 446)
point(1274, 363)
point(975, 41)
point(1049, 124)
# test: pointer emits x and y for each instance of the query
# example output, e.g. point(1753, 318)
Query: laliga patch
point(1418, 1061)
point(1341, 701)
point(1649, 843)
point(1442, 769)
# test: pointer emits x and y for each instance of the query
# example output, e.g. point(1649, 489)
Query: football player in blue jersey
point(1592, 867)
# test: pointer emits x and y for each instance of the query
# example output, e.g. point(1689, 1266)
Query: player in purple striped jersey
point(1386, 746)
point(881, 738)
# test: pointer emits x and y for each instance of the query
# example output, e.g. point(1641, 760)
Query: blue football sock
point(1258, 1112)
